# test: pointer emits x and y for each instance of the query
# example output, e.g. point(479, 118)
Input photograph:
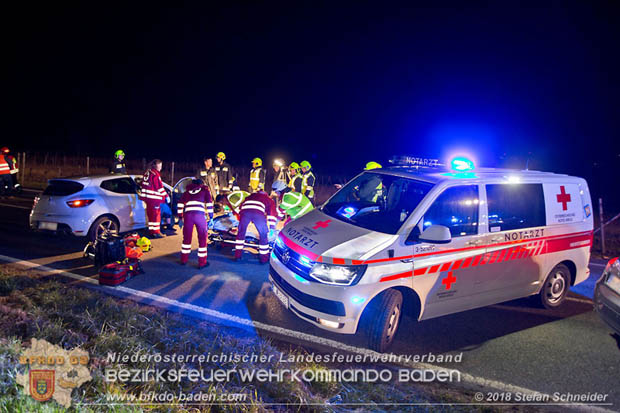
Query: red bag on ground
point(118, 272)
point(133, 252)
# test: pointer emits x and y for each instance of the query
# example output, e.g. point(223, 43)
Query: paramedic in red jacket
point(260, 209)
point(195, 203)
point(153, 194)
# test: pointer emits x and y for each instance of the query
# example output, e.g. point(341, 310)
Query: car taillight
point(79, 203)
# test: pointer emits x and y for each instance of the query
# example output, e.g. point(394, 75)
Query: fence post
point(23, 167)
point(172, 174)
point(602, 223)
point(87, 165)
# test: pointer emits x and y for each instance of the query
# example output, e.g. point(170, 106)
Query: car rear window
point(62, 188)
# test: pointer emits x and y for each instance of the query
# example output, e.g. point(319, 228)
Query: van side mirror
point(436, 234)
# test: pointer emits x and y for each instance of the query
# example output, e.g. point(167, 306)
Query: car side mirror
point(436, 234)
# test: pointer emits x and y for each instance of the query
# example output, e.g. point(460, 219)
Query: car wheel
point(102, 225)
point(385, 316)
point(553, 291)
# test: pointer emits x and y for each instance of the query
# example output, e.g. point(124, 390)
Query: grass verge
point(32, 306)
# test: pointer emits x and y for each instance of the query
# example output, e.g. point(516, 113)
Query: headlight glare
point(337, 274)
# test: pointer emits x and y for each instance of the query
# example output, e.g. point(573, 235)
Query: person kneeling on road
point(195, 203)
point(261, 210)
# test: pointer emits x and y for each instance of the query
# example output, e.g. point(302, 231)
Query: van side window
point(457, 209)
point(515, 206)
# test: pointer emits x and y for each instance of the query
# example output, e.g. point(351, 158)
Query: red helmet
point(4, 150)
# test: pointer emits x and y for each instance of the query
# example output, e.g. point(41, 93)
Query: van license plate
point(51, 226)
point(281, 296)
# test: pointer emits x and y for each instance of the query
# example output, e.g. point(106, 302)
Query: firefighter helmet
point(144, 243)
point(221, 155)
point(293, 165)
point(4, 150)
point(257, 161)
point(305, 164)
point(372, 165)
point(119, 153)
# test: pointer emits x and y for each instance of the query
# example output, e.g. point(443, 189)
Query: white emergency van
point(431, 242)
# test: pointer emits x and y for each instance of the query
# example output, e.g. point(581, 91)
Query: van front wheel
point(553, 291)
point(385, 318)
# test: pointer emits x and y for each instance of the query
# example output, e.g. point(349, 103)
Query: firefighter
point(225, 177)
point(257, 176)
point(308, 180)
point(195, 204)
point(208, 176)
point(259, 209)
point(371, 190)
point(295, 178)
point(118, 167)
point(6, 166)
point(295, 205)
point(153, 194)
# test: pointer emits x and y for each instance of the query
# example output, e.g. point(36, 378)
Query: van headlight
point(337, 274)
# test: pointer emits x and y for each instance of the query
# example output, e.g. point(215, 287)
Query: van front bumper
point(326, 306)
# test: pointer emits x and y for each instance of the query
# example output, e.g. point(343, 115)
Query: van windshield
point(377, 201)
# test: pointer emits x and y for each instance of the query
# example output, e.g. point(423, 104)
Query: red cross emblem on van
point(321, 224)
point(563, 198)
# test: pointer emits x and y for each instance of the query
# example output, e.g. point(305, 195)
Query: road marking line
point(465, 377)
point(15, 206)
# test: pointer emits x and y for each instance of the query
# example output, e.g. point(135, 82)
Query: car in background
point(88, 206)
point(607, 295)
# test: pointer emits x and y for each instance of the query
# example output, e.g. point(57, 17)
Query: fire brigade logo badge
point(42, 384)
point(52, 372)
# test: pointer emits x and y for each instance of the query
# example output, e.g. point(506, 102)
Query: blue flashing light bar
point(462, 164)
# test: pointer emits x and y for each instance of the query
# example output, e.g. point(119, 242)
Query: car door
point(446, 269)
point(516, 229)
point(121, 198)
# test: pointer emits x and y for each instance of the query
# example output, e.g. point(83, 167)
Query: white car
point(87, 206)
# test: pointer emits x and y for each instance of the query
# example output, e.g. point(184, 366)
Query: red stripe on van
point(467, 262)
point(420, 271)
point(434, 269)
point(397, 276)
point(339, 261)
point(457, 265)
point(298, 248)
point(445, 267)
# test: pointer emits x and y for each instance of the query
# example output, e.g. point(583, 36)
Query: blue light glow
point(305, 261)
point(279, 242)
point(301, 280)
point(462, 164)
point(357, 300)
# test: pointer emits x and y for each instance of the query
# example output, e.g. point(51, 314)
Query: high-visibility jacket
point(371, 190)
point(196, 198)
point(260, 202)
point(295, 182)
point(236, 198)
point(295, 204)
point(257, 179)
point(152, 189)
point(307, 184)
point(225, 177)
point(5, 166)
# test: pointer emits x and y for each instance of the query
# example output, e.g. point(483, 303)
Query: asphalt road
point(565, 350)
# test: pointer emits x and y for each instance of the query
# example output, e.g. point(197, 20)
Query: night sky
point(336, 83)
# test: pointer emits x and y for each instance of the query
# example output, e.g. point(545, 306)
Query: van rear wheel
point(386, 312)
point(555, 288)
